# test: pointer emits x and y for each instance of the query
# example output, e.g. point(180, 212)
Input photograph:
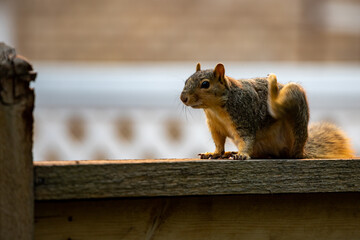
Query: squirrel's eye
point(205, 84)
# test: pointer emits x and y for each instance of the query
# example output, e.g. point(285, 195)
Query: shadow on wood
point(279, 216)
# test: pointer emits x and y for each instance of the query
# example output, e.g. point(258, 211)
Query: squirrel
point(264, 119)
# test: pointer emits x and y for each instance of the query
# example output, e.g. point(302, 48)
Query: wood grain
point(277, 216)
point(16, 169)
point(136, 178)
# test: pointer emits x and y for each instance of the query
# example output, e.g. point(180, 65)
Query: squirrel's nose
point(183, 97)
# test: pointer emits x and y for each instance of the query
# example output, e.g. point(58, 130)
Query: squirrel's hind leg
point(289, 104)
point(287, 101)
point(273, 95)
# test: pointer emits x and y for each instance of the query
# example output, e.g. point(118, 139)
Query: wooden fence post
point(16, 129)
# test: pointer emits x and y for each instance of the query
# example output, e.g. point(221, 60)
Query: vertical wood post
point(16, 129)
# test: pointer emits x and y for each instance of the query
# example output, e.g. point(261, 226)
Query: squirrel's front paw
point(209, 155)
point(241, 156)
point(229, 154)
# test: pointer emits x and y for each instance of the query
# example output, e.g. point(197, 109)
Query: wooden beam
point(16, 169)
point(137, 178)
point(317, 216)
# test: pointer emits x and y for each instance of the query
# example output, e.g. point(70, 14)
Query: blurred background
point(110, 71)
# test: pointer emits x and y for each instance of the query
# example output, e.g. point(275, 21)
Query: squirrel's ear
point(219, 70)
point(198, 67)
point(219, 73)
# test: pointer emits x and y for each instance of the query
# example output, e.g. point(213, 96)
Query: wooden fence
point(16, 119)
point(163, 199)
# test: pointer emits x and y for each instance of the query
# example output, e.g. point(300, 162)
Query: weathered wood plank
point(136, 178)
point(273, 216)
point(16, 169)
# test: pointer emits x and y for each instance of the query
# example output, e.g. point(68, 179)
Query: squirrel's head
point(205, 88)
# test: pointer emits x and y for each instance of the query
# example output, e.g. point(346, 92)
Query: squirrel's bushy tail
point(325, 140)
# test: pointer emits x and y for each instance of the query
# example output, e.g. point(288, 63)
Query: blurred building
point(110, 71)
